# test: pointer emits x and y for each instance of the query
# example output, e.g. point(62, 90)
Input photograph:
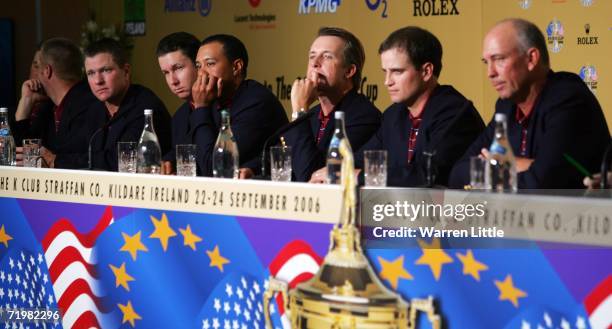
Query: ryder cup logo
point(587, 3)
point(589, 76)
point(525, 4)
point(555, 33)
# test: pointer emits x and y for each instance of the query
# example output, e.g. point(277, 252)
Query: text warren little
point(432, 232)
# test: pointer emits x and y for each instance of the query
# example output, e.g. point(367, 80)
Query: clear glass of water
point(375, 168)
point(126, 156)
point(280, 163)
point(186, 160)
point(31, 153)
point(477, 172)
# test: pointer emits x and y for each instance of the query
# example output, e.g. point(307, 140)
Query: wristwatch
point(295, 115)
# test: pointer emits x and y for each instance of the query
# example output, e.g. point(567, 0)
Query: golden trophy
point(346, 293)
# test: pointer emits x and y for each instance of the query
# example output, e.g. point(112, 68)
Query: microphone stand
point(264, 160)
point(605, 166)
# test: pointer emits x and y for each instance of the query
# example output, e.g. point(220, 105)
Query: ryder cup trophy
point(346, 293)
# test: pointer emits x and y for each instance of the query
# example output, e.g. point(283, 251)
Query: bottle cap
point(148, 112)
point(339, 115)
point(500, 117)
point(3, 110)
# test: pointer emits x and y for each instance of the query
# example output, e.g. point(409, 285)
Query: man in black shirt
point(121, 104)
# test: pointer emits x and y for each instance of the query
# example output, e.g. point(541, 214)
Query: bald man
point(551, 115)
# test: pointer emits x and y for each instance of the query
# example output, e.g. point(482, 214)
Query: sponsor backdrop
point(278, 35)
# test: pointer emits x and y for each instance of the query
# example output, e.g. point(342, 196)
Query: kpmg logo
point(318, 6)
point(587, 39)
point(587, 3)
point(589, 76)
point(556, 35)
point(205, 7)
point(254, 3)
point(435, 7)
point(525, 4)
point(374, 4)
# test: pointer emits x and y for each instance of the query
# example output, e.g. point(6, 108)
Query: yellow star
point(433, 256)
point(121, 276)
point(129, 314)
point(471, 266)
point(394, 270)
point(508, 291)
point(216, 259)
point(4, 237)
point(132, 244)
point(190, 239)
point(163, 231)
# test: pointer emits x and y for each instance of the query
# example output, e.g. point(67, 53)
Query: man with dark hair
point(426, 119)
point(66, 127)
point(255, 112)
point(121, 105)
point(551, 115)
point(176, 54)
point(335, 62)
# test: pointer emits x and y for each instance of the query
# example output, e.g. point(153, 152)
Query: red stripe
point(598, 295)
point(66, 257)
point(303, 277)
point(88, 239)
point(293, 248)
point(78, 287)
point(86, 321)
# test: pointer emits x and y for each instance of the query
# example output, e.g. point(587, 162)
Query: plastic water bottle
point(149, 152)
point(500, 172)
point(225, 155)
point(7, 143)
point(334, 159)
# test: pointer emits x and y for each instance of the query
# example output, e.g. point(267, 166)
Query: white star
point(226, 324)
point(243, 326)
point(42, 290)
point(547, 320)
point(27, 276)
point(247, 315)
point(580, 323)
point(32, 259)
point(235, 324)
point(45, 279)
point(565, 324)
point(40, 258)
point(256, 325)
point(251, 295)
point(217, 305)
point(259, 307)
point(257, 316)
point(50, 299)
point(249, 304)
point(11, 263)
point(38, 271)
point(216, 324)
point(256, 287)
point(1, 292)
point(226, 307)
point(239, 293)
point(272, 309)
point(23, 297)
point(237, 309)
point(205, 324)
point(17, 279)
point(31, 302)
point(25, 284)
point(10, 294)
point(22, 256)
point(2, 276)
point(244, 282)
point(228, 290)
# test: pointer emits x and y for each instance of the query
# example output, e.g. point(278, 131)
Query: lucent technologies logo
point(556, 35)
point(319, 6)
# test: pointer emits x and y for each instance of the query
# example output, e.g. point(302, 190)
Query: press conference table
point(160, 251)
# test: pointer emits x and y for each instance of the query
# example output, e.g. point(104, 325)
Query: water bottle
point(149, 152)
point(334, 159)
point(500, 171)
point(7, 143)
point(225, 155)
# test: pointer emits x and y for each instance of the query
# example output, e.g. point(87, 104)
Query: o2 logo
point(374, 4)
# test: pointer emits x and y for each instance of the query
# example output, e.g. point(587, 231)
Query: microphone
point(605, 166)
point(89, 151)
point(305, 116)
